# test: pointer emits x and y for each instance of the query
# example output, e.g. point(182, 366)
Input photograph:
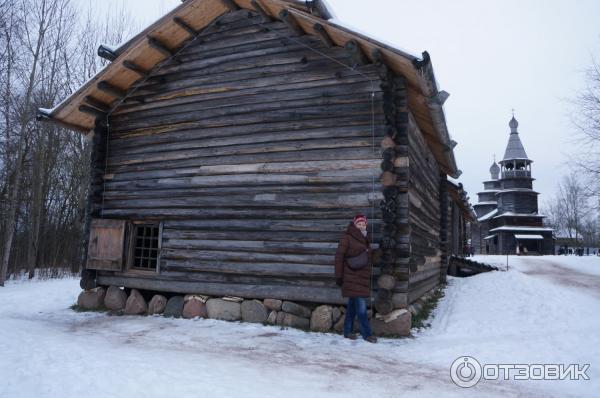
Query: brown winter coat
point(356, 283)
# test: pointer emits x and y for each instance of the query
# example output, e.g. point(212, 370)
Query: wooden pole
point(185, 26)
point(101, 106)
point(106, 53)
point(160, 47)
point(135, 68)
point(92, 111)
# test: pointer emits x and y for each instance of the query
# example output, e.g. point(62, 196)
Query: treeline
point(47, 50)
point(574, 210)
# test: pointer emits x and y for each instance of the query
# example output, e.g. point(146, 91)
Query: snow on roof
point(511, 214)
point(514, 148)
point(517, 228)
point(488, 215)
point(489, 237)
point(536, 237)
point(486, 203)
point(329, 9)
point(519, 190)
point(395, 46)
point(488, 191)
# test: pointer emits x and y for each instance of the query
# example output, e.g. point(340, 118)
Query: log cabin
point(233, 141)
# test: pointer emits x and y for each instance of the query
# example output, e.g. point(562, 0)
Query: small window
point(145, 247)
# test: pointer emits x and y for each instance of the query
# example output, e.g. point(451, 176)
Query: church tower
point(513, 225)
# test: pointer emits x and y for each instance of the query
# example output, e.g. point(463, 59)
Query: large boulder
point(136, 304)
point(254, 311)
point(321, 319)
point(223, 309)
point(291, 320)
point(115, 298)
point(396, 323)
point(272, 304)
point(296, 309)
point(157, 304)
point(194, 307)
point(92, 299)
point(174, 307)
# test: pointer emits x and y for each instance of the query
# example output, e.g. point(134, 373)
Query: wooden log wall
point(395, 240)
point(255, 152)
point(427, 215)
point(448, 221)
point(94, 198)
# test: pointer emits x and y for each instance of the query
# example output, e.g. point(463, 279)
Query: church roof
point(494, 168)
point(514, 149)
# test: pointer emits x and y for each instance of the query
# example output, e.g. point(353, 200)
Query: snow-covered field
point(542, 310)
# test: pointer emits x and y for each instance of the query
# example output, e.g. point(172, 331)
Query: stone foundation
point(306, 316)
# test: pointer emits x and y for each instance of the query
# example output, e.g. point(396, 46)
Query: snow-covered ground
point(542, 310)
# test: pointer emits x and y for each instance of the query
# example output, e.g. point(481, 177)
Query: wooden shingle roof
point(149, 50)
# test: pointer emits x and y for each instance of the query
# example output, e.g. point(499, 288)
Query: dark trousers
point(357, 306)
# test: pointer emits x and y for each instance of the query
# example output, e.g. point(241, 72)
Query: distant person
point(353, 264)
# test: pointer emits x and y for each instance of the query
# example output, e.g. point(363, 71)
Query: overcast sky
point(491, 56)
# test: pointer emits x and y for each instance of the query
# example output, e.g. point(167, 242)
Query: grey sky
point(491, 56)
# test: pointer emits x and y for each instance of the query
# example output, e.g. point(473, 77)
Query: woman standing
point(353, 262)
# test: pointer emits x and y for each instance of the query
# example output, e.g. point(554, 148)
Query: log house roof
point(142, 51)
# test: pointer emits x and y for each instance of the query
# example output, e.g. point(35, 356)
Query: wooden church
point(508, 219)
point(233, 142)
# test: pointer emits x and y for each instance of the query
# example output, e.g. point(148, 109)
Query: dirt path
point(563, 275)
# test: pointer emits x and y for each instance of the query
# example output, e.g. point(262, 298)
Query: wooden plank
point(220, 213)
point(284, 292)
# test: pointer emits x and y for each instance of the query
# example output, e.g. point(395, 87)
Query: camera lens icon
point(465, 371)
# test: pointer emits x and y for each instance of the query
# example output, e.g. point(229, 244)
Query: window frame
point(132, 225)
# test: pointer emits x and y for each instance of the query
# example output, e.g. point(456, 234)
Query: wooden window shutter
point(107, 238)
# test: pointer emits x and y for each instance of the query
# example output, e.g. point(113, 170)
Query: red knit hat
point(359, 217)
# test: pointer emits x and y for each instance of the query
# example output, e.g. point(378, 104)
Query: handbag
point(360, 261)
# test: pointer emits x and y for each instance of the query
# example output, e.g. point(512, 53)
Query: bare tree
point(573, 204)
point(586, 118)
point(46, 53)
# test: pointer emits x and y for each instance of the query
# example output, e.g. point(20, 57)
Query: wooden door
point(105, 250)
